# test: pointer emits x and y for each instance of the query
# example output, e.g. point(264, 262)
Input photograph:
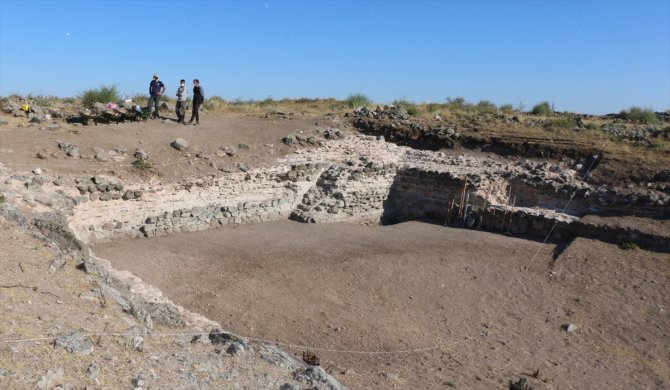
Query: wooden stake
point(451, 207)
point(502, 225)
point(481, 215)
point(509, 224)
point(462, 205)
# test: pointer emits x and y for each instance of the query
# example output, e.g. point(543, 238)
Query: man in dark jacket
point(198, 99)
point(156, 90)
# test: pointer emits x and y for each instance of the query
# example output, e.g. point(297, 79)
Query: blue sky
point(594, 57)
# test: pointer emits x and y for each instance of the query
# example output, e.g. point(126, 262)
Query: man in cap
point(156, 90)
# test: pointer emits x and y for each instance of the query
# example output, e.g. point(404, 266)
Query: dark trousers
point(194, 113)
point(181, 111)
point(155, 100)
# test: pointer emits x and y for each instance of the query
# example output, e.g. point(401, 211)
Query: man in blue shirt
point(156, 90)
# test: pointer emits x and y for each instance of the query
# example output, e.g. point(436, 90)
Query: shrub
point(629, 245)
point(565, 123)
point(104, 94)
point(142, 165)
point(455, 103)
point(267, 102)
point(642, 115)
point(591, 126)
point(543, 109)
point(507, 108)
point(357, 100)
point(412, 110)
point(485, 106)
point(2, 198)
point(214, 103)
point(432, 107)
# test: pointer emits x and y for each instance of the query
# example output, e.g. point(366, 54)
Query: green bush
point(214, 103)
point(543, 109)
point(455, 103)
point(565, 123)
point(485, 106)
point(267, 102)
point(142, 165)
point(411, 108)
point(104, 94)
point(642, 115)
point(629, 245)
point(2, 198)
point(432, 107)
point(357, 100)
point(507, 108)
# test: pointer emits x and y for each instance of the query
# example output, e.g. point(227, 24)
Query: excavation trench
point(233, 248)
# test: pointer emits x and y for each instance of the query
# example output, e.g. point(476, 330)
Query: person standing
point(198, 99)
point(156, 90)
point(182, 94)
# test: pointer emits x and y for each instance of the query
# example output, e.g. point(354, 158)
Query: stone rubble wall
point(232, 199)
point(346, 193)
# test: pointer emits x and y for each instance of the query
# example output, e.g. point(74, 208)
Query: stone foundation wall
point(231, 199)
point(347, 193)
point(420, 194)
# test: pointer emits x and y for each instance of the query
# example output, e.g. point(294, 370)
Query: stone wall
point(352, 193)
point(230, 199)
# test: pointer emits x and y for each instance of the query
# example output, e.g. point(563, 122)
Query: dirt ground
point(462, 309)
point(216, 132)
point(416, 285)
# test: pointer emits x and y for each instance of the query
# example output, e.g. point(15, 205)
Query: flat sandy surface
point(492, 307)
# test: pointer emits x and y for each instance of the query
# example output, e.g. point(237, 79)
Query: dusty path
point(417, 285)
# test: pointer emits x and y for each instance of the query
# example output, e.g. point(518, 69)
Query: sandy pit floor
point(462, 309)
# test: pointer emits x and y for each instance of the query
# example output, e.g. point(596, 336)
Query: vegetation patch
point(142, 165)
point(629, 246)
point(104, 94)
point(642, 115)
point(542, 109)
point(563, 123)
point(357, 100)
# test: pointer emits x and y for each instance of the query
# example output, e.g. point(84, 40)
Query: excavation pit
point(365, 278)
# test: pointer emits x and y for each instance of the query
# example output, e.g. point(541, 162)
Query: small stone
point(52, 378)
point(139, 381)
point(288, 140)
point(37, 171)
point(141, 155)
point(75, 343)
point(570, 328)
point(93, 370)
point(138, 343)
point(235, 349)
point(179, 144)
point(41, 156)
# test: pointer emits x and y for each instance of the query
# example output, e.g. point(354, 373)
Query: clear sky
point(584, 56)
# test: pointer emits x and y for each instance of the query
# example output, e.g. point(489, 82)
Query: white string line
point(544, 242)
point(101, 165)
point(288, 345)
